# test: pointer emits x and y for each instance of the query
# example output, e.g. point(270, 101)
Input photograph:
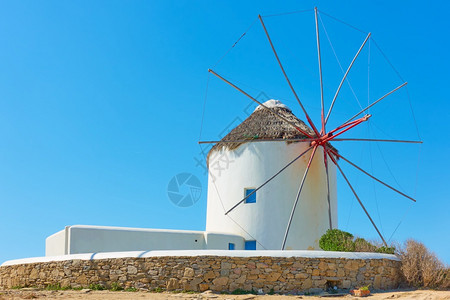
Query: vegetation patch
point(115, 287)
point(338, 240)
point(243, 292)
point(96, 287)
point(422, 268)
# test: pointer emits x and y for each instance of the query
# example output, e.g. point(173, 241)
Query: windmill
point(316, 137)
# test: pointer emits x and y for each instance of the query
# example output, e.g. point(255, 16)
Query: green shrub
point(96, 287)
point(384, 249)
point(337, 240)
point(361, 245)
point(53, 287)
point(116, 287)
point(242, 292)
point(364, 288)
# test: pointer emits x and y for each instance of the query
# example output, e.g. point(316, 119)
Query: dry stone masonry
point(200, 273)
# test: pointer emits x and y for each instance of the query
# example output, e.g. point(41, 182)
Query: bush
point(96, 287)
point(115, 286)
point(337, 240)
point(361, 245)
point(384, 249)
point(421, 268)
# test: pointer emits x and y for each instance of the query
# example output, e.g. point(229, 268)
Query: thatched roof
point(264, 125)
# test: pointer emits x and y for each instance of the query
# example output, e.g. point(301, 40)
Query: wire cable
point(235, 43)
point(288, 13)
point(204, 107)
point(339, 63)
point(345, 23)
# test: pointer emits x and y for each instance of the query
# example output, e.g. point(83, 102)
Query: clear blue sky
point(101, 105)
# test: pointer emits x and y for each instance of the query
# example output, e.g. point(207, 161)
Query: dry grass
point(422, 268)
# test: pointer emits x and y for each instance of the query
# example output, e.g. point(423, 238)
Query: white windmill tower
point(254, 154)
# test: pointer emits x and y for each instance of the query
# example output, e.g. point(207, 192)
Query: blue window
point(230, 246)
point(252, 197)
point(250, 245)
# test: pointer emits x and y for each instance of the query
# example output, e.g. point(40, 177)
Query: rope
point(339, 63)
point(235, 43)
point(288, 13)
point(204, 108)
point(387, 59)
point(389, 169)
point(368, 76)
point(413, 114)
point(345, 23)
point(356, 184)
point(401, 220)
point(373, 182)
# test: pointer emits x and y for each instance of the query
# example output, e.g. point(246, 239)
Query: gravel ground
point(94, 295)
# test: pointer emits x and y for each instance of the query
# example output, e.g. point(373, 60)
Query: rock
point(306, 284)
point(241, 279)
point(189, 272)
point(82, 279)
point(315, 291)
point(301, 276)
point(209, 275)
point(203, 287)
point(225, 265)
point(351, 265)
point(132, 270)
point(346, 284)
point(323, 266)
point(34, 274)
point(273, 276)
point(172, 284)
point(220, 281)
point(377, 282)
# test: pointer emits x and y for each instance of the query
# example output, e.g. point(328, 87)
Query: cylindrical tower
point(237, 168)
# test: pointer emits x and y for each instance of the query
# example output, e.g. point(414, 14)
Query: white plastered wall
point(252, 164)
point(91, 239)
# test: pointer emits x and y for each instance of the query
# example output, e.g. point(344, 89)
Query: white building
point(244, 159)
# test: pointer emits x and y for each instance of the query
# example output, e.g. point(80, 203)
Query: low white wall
point(56, 244)
point(314, 254)
point(220, 241)
point(91, 239)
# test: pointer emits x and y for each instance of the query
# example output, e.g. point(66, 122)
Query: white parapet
point(91, 239)
point(224, 253)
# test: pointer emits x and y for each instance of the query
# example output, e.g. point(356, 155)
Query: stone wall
point(199, 273)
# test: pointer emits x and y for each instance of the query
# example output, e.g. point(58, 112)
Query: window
point(250, 245)
point(230, 246)
point(252, 197)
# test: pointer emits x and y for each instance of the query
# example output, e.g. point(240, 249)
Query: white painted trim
point(225, 253)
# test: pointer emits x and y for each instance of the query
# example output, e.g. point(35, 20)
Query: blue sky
point(101, 105)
